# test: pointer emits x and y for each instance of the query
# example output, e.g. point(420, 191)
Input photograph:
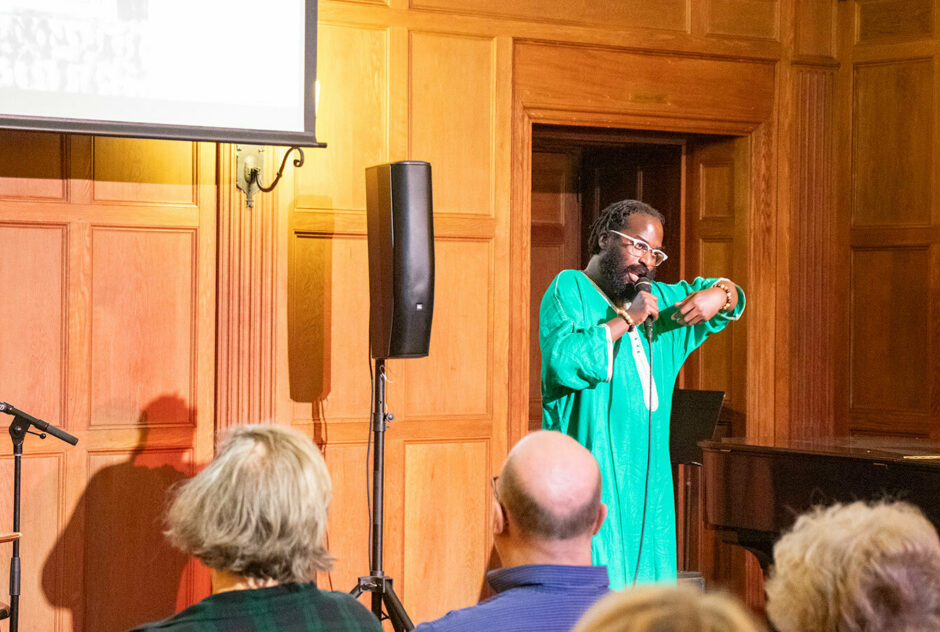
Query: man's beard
point(615, 272)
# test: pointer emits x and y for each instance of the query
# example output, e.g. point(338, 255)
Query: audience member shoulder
point(357, 612)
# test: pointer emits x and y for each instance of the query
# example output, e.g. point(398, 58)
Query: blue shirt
point(535, 597)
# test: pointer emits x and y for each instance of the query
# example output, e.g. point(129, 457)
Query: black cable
point(649, 458)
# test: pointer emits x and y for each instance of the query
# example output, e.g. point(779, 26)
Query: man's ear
point(601, 516)
point(603, 239)
point(499, 518)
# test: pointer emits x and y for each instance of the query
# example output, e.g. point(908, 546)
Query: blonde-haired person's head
point(259, 509)
point(857, 567)
point(667, 609)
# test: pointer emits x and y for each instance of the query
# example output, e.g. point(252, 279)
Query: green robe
point(592, 390)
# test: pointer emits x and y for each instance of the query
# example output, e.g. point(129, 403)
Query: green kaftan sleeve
point(691, 337)
point(576, 352)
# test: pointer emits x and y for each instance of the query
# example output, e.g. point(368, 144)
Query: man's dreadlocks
point(614, 217)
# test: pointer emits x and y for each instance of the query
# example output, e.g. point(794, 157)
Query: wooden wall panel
point(716, 230)
point(664, 14)
point(812, 396)
point(43, 175)
point(716, 358)
point(143, 326)
point(658, 87)
point(888, 234)
point(349, 532)
point(451, 106)
point(743, 18)
point(460, 518)
point(461, 337)
point(352, 117)
point(329, 328)
point(124, 503)
point(44, 567)
point(889, 359)
point(122, 310)
point(717, 182)
point(141, 171)
point(893, 19)
point(33, 317)
point(895, 191)
point(815, 28)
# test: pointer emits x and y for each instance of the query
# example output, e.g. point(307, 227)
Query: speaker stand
point(377, 582)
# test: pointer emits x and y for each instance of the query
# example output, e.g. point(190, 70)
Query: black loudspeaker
point(401, 258)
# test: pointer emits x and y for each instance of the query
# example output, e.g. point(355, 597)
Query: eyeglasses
point(641, 249)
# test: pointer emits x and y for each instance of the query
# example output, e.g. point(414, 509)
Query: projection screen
point(216, 70)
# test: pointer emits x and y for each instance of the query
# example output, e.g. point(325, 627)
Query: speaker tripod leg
point(396, 612)
point(384, 594)
point(377, 582)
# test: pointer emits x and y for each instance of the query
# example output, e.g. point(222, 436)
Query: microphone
point(643, 284)
point(39, 423)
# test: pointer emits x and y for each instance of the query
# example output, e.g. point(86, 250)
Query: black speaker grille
point(401, 258)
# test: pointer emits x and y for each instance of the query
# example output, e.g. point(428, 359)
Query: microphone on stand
point(44, 426)
point(643, 284)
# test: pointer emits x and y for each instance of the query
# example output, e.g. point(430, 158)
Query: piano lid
point(890, 449)
point(754, 491)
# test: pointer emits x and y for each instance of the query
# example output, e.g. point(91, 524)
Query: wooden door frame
point(763, 250)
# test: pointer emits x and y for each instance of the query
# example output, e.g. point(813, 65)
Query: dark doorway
point(576, 172)
point(650, 173)
point(701, 185)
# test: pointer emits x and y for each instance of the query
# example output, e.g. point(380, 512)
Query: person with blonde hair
point(661, 608)
point(256, 516)
point(857, 568)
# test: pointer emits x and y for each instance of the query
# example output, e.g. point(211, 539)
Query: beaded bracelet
point(727, 290)
point(626, 317)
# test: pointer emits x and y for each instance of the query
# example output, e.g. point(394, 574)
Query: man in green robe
point(596, 384)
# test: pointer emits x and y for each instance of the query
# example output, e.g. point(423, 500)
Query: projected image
point(213, 63)
point(81, 53)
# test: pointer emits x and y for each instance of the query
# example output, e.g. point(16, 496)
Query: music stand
point(694, 419)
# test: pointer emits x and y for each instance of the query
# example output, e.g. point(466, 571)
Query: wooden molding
point(812, 196)
point(762, 277)
point(247, 264)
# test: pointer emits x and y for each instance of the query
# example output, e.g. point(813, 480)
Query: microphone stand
point(18, 431)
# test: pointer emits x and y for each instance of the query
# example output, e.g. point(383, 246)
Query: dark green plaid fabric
point(286, 608)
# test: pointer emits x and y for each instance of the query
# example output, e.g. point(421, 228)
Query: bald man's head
point(551, 486)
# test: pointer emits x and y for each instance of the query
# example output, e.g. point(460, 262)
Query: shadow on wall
point(131, 573)
point(309, 316)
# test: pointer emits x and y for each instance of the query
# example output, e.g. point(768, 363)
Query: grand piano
point(754, 492)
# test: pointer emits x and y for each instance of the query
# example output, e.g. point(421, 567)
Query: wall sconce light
point(248, 169)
